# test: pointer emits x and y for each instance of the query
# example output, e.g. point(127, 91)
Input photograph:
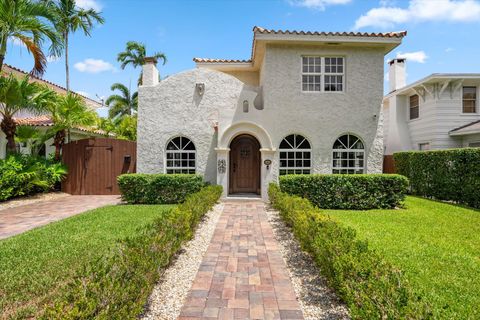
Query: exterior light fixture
point(200, 87)
point(267, 162)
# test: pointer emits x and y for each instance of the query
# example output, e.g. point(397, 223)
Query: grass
point(436, 244)
point(35, 265)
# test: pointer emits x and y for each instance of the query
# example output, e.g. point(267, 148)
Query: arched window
point(348, 155)
point(180, 155)
point(295, 155)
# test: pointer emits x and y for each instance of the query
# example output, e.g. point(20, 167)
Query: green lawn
point(35, 265)
point(437, 245)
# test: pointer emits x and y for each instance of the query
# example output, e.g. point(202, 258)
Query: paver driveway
point(20, 219)
point(242, 275)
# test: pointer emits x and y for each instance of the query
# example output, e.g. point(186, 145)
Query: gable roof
point(388, 40)
point(8, 69)
point(469, 128)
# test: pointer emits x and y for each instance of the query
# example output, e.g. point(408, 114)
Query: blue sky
point(443, 35)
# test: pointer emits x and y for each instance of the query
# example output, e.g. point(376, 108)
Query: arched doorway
point(244, 175)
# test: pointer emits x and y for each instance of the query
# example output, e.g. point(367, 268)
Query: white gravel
point(32, 199)
point(169, 294)
point(316, 299)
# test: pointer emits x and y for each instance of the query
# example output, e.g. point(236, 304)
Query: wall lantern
point(245, 105)
point(200, 87)
point(267, 162)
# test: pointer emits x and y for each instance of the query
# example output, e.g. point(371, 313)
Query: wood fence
point(388, 164)
point(94, 165)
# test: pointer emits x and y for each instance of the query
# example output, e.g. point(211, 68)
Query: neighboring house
point(437, 112)
point(306, 102)
point(43, 122)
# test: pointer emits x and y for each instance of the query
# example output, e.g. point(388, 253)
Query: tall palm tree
point(134, 54)
point(68, 19)
point(26, 21)
point(123, 103)
point(19, 95)
point(67, 112)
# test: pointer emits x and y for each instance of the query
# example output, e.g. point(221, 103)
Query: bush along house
point(305, 102)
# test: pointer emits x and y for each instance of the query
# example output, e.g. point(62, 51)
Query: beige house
point(437, 112)
point(42, 122)
point(305, 102)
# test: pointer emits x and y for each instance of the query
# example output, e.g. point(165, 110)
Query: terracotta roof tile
point(46, 121)
point(206, 60)
point(46, 81)
point(399, 34)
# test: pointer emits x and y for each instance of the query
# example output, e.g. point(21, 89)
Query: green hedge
point(371, 287)
point(117, 286)
point(452, 175)
point(158, 188)
point(341, 191)
point(22, 175)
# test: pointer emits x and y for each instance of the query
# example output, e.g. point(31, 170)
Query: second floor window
point(469, 99)
point(414, 107)
point(323, 74)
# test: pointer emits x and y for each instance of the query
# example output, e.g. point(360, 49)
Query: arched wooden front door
point(244, 165)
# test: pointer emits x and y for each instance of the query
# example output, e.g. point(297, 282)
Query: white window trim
point(295, 157)
point(363, 168)
point(322, 73)
point(165, 158)
point(424, 143)
point(477, 107)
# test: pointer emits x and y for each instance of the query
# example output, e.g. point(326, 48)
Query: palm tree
point(19, 95)
point(68, 112)
point(26, 21)
point(134, 54)
point(32, 137)
point(123, 103)
point(127, 128)
point(68, 19)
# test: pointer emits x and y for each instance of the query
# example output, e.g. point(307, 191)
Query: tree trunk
point(3, 51)
point(59, 141)
point(67, 71)
point(9, 127)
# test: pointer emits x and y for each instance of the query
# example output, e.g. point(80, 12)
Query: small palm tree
point(26, 21)
point(32, 137)
point(121, 104)
point(68, 112)
point(127, 128)
point(19, 95)
point(134, 54)
point(68, 18)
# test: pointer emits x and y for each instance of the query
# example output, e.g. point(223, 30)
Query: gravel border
point(316, 299)
point(32, 199)
point(168, 296)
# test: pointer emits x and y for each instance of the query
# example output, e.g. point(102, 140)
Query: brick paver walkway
point(20, 219)
point(242, 275)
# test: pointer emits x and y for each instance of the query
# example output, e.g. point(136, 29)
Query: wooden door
point(97, 177)
point(244, 165)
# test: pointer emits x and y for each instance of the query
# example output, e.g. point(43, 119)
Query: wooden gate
point(388, 164)
point(94, 165)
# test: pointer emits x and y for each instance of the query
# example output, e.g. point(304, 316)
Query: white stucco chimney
point(150, 72)
point(396, 74)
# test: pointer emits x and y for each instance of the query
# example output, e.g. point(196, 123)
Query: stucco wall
point(323, 116)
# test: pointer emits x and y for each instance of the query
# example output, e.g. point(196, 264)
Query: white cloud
point(421, 10)
point(317, 4)
point(89, 4)
point(417, 56)
point(94, 66)
point(449, 50)
point(83, 93)
point(53, 59)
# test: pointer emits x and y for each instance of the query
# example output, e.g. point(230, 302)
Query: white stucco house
point(305, 102)
point(437, 112)
point(42, 122)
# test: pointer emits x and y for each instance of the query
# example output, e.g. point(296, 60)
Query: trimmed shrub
point(22, 175)
point(158, 188)
point(371, 287)
point(451, 175)
point(117, 286)
point(341, 191)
